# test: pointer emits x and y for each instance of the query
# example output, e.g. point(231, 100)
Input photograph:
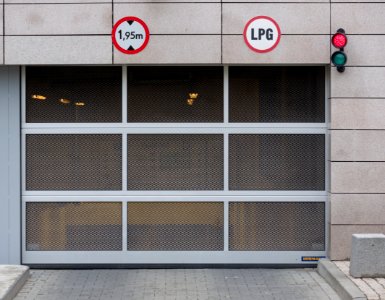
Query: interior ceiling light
point(64, 101)
point(193, 95)
point(80, 103)
point(190, 101)
point(39, 97)
point(192, 98)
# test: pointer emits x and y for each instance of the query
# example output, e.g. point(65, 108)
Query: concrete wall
point(182, 32)
point(210, 32)
point(358, 127)
point(10, 201)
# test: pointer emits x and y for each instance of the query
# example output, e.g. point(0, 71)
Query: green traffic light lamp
point(339, 59)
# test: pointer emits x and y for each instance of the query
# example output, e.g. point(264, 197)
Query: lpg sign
point(262, 34)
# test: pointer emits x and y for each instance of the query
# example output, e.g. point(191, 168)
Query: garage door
point(174, 165)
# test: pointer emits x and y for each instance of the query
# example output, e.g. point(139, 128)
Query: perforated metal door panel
point(175, 94)
point(175, 161)
point(73, 94)
point(73, 226)
point(277, 94)
point(74, 162)
point(277, 162)
point(178, 226)
point(278, 226)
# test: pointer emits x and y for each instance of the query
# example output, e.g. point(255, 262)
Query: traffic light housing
point(339, 58)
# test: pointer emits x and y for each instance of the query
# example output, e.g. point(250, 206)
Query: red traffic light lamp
point(339, 58)
point(339, 39)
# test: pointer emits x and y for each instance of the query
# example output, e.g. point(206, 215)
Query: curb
point(343, 286)
point(12, 279)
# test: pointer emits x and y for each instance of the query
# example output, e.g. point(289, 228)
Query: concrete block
point(49, 19)
point(288, 51)
point(171, 49)
point(165, 1)
point(364, 209)
point(358, 18)
point(1, 18)
point(310, 18)
point(58, 50)
point(360, 82)
point(357, 177)
point(174, 18)
point(352, 1)
point(357, 145)
point(272, 1)
point(341, 238)
point(368, 255)
point(53, 1)
point(2, 50)
point(358, 44)
point(357, 113)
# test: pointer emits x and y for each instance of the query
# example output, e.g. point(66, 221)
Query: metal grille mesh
point(74, 94)
point(73, 162)
point(277, 94)
point(276, 226)
point(175, 162)
point(160, 94)
point(180, 226)
point(71, 226)
point(277, 162)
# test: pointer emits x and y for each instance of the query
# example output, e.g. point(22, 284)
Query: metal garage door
point(174, 165)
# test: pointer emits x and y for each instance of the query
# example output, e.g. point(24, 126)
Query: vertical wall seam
point(221, 31)
point(3, 33)
point(112, 25)
point(329, 204)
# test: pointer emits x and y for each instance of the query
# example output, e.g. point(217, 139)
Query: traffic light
point(339, 58)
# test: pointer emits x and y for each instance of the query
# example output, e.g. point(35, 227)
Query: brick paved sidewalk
point(373, 288)
point(179, 284)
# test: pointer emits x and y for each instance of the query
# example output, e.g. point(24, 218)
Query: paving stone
point(165, 284)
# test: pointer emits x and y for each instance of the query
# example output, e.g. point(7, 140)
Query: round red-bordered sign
point(253, 39)
point(130, 35)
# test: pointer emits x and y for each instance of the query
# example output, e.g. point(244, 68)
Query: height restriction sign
point(130, 35)
point(262, 34)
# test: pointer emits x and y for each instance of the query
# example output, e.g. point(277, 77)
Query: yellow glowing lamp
point(64, 101)
point(39, 97)
point(192, 98)
point(193, 95)
point(80, 103)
